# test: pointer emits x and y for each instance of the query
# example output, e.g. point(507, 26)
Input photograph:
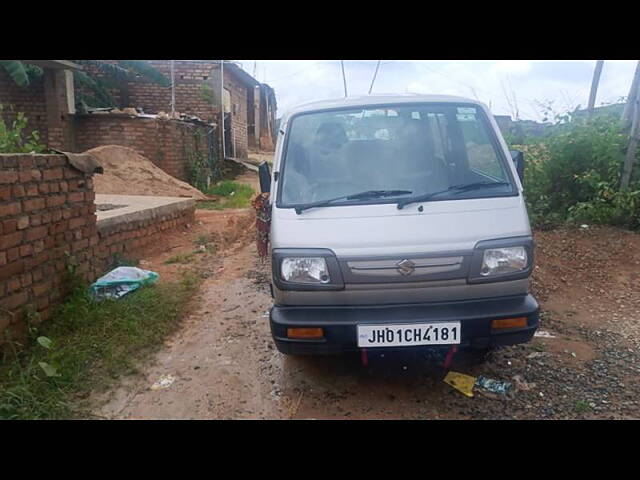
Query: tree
point(110, 76)
point(22, 74)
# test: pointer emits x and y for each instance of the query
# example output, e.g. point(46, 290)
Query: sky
point(506, 86)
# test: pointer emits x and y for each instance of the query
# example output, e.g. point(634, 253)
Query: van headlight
point(497, 261)
point(305, 270)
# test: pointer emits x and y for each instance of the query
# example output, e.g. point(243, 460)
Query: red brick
point(56, 161)
point(35, 220)
point(44, 188)
point(34, 204)
point(8, 176)
point(13, 254)
point(39, 259)
point(13, 284)
point(16, 300)
point(11, 240)
point(5, 192)
point(52, 174)
point(9, 226)
point(38, 246)
point(75, 197)
point(32, 190)
point(25, 162)
point(36, 233)
point(10, 209)
point(41, 288)
point(76, 222)
point(18, 191)
point(55, 201)
point(25, 279)
point(37, 274)
point(25, 250)
point(11, 269)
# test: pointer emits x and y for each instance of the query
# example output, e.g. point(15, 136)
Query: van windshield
point(413, 150)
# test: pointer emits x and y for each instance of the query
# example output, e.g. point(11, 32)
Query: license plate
point(408, 334)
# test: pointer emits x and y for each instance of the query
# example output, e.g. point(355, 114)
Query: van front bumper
point(339, 323)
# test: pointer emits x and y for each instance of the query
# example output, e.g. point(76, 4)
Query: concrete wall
point(167, 143)
point(47, 224)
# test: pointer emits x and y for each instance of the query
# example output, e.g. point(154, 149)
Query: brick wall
point(189, 76)
point(239, 116)
point(166, 143)
point(127, 238)
point(47, 223)
point(47, 213)
point(29, 100)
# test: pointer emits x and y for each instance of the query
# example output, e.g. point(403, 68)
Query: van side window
point(480, 151)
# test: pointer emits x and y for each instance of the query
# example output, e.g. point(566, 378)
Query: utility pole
point(375, 74)
point(173, 89)
point(631, 114)
point(344, 79)
point(594, 86)
point(627, 113)
point(222, 106)
point(632, 149)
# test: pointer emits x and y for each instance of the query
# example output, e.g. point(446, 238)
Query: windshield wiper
point(454, 188)
point(354, 196)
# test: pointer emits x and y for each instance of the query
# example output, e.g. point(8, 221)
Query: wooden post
point(594, 86)
point(633, 146)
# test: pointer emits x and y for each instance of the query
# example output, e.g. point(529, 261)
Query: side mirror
point(518, 158)
point(264, 173)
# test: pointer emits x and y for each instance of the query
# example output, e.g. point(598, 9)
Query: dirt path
point(224, 364)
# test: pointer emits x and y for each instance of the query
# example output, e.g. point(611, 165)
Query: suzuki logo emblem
point(406, 267)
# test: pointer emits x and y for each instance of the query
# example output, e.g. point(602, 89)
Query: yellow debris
point(461, 382)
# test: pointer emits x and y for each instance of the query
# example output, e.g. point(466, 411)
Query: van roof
point(369, 100)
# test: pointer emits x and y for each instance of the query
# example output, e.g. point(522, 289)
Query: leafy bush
point(573, 175)
point(12, 139)
point(236, 195)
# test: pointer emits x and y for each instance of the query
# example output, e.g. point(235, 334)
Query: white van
point(397, 222)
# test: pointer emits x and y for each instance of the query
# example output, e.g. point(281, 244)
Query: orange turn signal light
point(503, 323)
point(305, 333)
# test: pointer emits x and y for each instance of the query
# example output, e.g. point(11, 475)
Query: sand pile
point(126, 172)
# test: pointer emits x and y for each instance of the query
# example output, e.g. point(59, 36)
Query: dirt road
point(222, 363)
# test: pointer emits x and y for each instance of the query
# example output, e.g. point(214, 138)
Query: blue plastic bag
point(120, 281)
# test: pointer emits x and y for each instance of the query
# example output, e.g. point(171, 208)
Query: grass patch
point(235, 195)
point(85, 347)
point(582, 407)
point(180, 258)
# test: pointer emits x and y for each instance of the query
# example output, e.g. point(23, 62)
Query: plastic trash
point(120, 281)
point(165, 381)
point(543, 334)
point(493, 386)
point(461, 382)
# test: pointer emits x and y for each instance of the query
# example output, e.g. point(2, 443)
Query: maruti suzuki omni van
point(397, 222)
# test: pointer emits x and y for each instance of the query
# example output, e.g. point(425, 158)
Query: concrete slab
point(138, 207)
